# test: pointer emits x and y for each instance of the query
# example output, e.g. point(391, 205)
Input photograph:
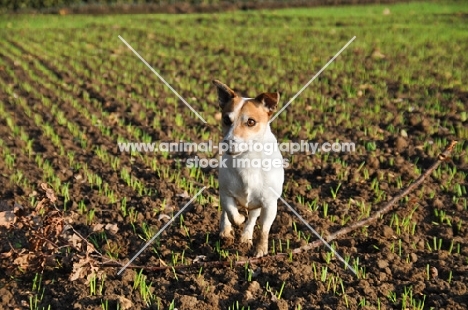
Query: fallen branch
point(390, 204)
point(385, 209)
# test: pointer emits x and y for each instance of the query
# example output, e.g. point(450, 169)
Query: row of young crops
point(71, 91)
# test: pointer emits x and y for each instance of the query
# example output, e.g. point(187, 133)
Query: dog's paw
point(261, 250)
point(227, 233)
point(262, 245)
point(247, 239)
point(239, 219)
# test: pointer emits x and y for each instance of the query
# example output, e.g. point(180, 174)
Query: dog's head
point(244, 119)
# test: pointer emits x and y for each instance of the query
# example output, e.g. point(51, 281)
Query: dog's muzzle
point(233, 148)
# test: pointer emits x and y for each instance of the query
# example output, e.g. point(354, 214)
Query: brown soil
point(215, 286)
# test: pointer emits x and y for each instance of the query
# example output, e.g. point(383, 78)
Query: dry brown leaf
point(58, 227)
point(125, 303)
point(5, 255)
point(41, 204)
point(113, 228)
point(83, 269)
point(97, 227)
point(55, 226)
point(78, 271)
point(90, 248)
point(49, 192)
point(75, 240)
point(23, 260)
point(51, 195)
point(35, 244)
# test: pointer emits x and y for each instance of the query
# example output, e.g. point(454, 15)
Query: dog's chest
point(246, 185)
point(251, 189)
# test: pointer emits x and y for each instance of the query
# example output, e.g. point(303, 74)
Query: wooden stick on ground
point(391, 204)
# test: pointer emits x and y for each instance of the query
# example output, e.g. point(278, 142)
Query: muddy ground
point(45, 241)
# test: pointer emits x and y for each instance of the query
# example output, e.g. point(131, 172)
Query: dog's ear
point(269, 100)
point(225, 94)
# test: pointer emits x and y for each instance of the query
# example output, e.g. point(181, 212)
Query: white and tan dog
point(242, 182)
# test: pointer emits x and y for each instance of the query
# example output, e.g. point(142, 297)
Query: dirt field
point(74, 207)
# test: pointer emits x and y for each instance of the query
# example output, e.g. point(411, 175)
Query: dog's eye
point(227, 120)
point(251, 122)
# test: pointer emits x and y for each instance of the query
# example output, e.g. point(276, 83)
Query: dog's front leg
point(267, 216)
point(249, 226)
point(230, 214)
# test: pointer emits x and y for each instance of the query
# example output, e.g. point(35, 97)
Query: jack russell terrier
point(244, 183)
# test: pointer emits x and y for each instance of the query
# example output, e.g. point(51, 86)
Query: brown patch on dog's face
point(250, 120)
point(244, 118)
point(248, 117)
